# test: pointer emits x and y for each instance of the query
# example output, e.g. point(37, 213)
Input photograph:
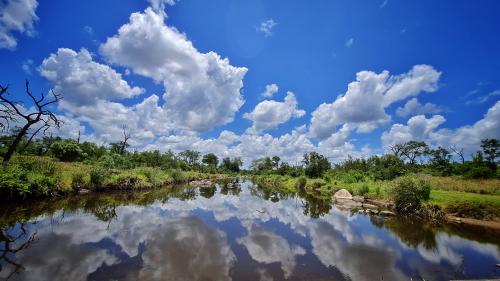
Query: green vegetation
point(415, 177)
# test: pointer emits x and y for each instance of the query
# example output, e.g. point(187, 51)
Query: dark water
point(220, 234)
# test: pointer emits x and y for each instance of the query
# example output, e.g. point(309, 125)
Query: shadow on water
point(229, 231)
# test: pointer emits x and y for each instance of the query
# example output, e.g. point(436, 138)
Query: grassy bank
point(31, 176)
point(478, 199)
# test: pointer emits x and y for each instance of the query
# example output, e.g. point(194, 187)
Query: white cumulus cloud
point(202, 89)
point(269, 114)
point(16, 16)
point(363, 105)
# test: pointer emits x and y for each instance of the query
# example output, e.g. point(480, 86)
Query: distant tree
point(440, 160)
point(491, 149)
point(231, 165)
point(210, 159)
point(275, 162)
point(413, 149)
point(42, 118)
point(190, 156)
point(262, 164)
point(315, 164)
point(459, 152)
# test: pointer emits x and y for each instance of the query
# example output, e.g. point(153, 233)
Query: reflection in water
point(267, 247)
point(220, 233)
point(186, 249)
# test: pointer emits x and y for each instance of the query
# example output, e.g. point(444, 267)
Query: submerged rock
point(342, 194)
point(387, 213)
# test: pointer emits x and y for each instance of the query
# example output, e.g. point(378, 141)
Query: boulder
point(342, 194)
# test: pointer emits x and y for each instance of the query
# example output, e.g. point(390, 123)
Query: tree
point(315, 164)
point(440, 160)
point(231, 165)
point(459, 152)
point(210, 159)
point(275, 162)
point(413, 149)
point(190, 156)
point(42, 116)
point(491, 149)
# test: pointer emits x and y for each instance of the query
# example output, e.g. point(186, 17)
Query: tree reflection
point(316, 207)
point(208, 192)
point(411, 232)
point(11, 245)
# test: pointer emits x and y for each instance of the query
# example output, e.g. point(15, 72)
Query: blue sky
point(441, 60)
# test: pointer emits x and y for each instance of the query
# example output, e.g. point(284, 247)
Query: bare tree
point(459, 152)
point(41, 116)
point(5, 112)
point(126, 137)
point(12, 245)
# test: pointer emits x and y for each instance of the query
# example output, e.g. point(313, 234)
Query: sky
point(261, 78)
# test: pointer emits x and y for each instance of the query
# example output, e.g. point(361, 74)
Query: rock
point(83, 191)
point(342, 194)
point(369, 206)
point(346, 204)
point(201, 183)
point(361, 211)
point(387, 213)
point(233, 185)
point(358, 198)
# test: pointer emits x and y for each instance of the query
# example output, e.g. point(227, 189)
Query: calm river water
point(185, 233)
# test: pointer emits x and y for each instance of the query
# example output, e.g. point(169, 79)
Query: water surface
point(185, 233)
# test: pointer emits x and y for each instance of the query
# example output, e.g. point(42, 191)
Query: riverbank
point(30, 177)
point(476, 200)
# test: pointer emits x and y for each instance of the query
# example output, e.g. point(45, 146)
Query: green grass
point(31, 176)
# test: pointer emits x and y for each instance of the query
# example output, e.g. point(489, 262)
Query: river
point(184, 233)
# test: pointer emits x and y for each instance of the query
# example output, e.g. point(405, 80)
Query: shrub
point(301, 184)
point(408, 194)
point(479, 172)
point(66, 150)
point(41, 184)
point(14, 183)
point(78, 181)
point(97, 177)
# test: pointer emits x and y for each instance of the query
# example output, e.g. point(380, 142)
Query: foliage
point(315, 164)
point(409, 193)
point(67, 150)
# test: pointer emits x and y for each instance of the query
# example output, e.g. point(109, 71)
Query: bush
point(14, 183)
point(409, 193)
point(301, 184)
point(479, 172)
point(66, 150)
point(97, 177)
point(41, 184)
point(78, 181)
